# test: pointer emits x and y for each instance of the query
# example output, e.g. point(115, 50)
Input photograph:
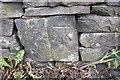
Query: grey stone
point(93, 54)
point(94, 23)
point(11, 10)
point(64, 43)
point(46, 11)
point(106, 10)
point(6, 52)
point(35, 4)
point(62, 21)
point(53, 3)
point(63, 38)
point(7, 26)
point(47, 42)
point(96, 40)
point(34, 37)
point(113, 2)
point(11, 0)
point(10, 43)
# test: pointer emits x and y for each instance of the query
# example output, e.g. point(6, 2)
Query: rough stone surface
point(94, 23)
point(33, 36)
point(11, 0)
point(43, 42)
point(92, 54)
point(53, 3)
point(46, 11)
point(64, 43)
point(113, 2)
point(6, 52)
point(105, 10)
point(7, 26)
point(10, 43)
point(35, 4)
point(96, 40)
point(11, 10)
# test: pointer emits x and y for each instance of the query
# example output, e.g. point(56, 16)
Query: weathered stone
point(62, 21)
point(94, 23)
point(64, 43)
point(46, 11)
point(10, 43)
point(105, 10)
point(11, 0)
point(7, 27)
point(35, 4)
point(33, 36)
point(11, 10)
point(92, 54)
point(96, 40)
point(6, 52)
point(63, 38)
point(113, 2)
point(44, 41)
point(53, 3)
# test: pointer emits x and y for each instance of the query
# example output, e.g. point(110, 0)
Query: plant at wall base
point(111, 58)
point(9, 65)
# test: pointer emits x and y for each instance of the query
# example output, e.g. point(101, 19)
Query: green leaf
point(4, 63)
point(116, 62)
point(19, 57)
point(9, 58)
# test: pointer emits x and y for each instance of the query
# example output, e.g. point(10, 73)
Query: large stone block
point(7, 26)
point(34, 37)
point(94, 23)
point(106, 10)
point(64, 43)
point(11, 10)
point(44, 41)
point(93, 54)
point(96, 40)
point(47, 11)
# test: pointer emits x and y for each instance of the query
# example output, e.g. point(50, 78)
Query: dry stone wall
point(53, 30)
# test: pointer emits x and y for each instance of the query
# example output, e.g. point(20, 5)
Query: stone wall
point(62, 30)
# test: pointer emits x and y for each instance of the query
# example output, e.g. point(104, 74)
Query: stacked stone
point(8, 39)
point(52, 30)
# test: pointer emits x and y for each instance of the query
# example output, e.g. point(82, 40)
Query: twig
point(97, 62)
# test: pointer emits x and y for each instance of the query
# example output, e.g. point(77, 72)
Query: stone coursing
point(53, 30)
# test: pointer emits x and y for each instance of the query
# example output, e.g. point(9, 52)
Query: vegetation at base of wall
point(18, 69)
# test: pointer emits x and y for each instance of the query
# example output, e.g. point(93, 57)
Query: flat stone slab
point(54, 3)
point(113, 2)
point(45, 41)
point(11, 10)
point(99, 39)
point(35, 4)
point(7, 26)
point(47, 11)
point(106, 10)
point(11, 0)
point(94, 23)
